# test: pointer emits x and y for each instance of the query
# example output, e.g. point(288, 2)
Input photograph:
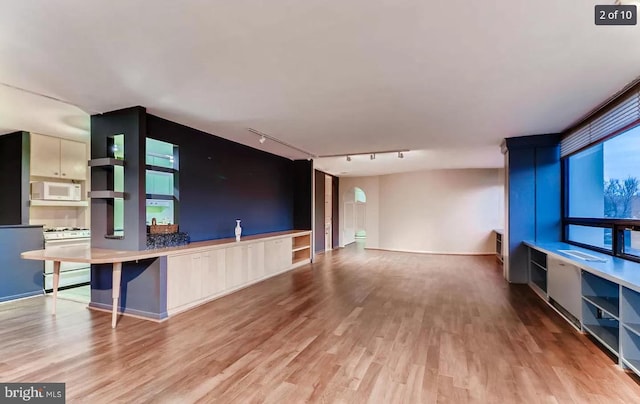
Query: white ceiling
point(329, 77)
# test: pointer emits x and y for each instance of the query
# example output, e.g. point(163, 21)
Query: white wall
point(439, 211)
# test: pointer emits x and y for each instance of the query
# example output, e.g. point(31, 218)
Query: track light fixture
point(263, 138)
point(371, 154)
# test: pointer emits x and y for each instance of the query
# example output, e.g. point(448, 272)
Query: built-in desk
point(600, 296)
point(193, 274)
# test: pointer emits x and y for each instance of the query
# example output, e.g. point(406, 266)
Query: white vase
point(238, 230)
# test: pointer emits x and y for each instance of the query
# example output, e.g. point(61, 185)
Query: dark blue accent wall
point(221, 181)
point(534, 192)
point(548, 194)
point(522, 210)
point(14, 181)
point(302, 191)
point(129, 122)
point(143, 287)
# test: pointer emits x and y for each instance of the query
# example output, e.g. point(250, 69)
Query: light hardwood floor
point(357, 326)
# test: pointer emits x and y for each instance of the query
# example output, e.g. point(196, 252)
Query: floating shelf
point(106, 194)
point(161, 197)
point(78, 204)
point(106, 162)
point(161, 169)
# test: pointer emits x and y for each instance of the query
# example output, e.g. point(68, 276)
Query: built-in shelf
point(538, 272)
point(301, 248)
point(106, 194)
point(634, 328)
point(608, 336)
point(78, 204)
point(610, 311)
point(106, 162)
point(539, 266)
point(609, 304)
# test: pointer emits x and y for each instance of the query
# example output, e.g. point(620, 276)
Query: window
point(602, 203)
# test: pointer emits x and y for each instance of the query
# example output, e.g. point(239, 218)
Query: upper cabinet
point(58, 158)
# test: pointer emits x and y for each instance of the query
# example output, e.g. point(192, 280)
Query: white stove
point(71, 273)
point(65, 233)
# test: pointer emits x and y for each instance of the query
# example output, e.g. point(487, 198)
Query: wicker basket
point(162, 228)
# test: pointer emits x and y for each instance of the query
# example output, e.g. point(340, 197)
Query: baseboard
point(431, 252)
point(21, 296)
point(144, 315)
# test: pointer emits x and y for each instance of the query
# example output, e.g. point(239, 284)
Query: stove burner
point(52, 229)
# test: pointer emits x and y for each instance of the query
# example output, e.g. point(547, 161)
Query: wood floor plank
point(357, 326)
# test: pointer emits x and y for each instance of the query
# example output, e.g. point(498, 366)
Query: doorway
point(355, 216)
point(328, 212)
point(326, 227)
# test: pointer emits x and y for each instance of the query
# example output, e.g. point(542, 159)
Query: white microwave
point(55, 191)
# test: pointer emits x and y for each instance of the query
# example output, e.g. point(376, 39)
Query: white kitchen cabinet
point(564, 286)
point(53, 157)
point(73, 160)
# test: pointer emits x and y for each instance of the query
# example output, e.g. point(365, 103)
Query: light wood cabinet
point(53, 157)
point(196, 277)
point(236, 266)
point(214, 273)
point(184, 279)
point(277, 255)
point(255, 261)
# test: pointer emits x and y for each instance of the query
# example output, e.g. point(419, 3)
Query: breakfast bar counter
point(188, 275)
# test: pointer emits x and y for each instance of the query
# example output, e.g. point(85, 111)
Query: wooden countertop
point(105, 256)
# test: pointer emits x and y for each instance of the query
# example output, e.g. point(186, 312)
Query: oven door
point(71, 273)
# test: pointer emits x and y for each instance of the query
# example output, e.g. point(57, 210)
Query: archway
point(355, 207)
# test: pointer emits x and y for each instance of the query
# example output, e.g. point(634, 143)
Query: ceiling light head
point(400, 155)
point(372, 156)
point(348, 158)
point(262, 139)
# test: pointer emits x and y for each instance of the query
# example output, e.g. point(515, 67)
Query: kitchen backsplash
point(59, 216)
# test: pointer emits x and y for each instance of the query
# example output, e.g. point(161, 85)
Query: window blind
point(624, 114)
